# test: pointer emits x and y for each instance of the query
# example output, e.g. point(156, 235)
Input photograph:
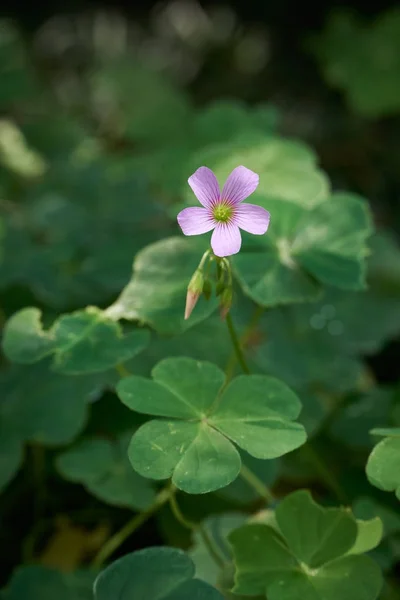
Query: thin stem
point(257, 484)
point(236, 344)
point(122, 370)
point(207, 539)
point(130, 527)
point(178, 514)
point(244, 339)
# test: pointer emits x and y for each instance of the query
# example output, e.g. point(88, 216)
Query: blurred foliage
point(363, 60)
point(94, 161)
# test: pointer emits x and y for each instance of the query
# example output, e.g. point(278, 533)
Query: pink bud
point(191, 301)
point(195, 289)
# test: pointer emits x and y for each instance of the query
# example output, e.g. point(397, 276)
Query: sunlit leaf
point(303, 249)
point(195, 448)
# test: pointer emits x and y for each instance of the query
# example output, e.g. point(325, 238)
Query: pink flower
point(224, 212)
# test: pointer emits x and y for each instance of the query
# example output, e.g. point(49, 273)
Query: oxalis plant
point(208, 430)
point(223, 414)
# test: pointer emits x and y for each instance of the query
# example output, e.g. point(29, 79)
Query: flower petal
point(240, 184)
point(226, 239)
point(252, 218)
point(205, 186)
point(195, 220)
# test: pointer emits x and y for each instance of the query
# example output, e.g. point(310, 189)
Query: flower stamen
point(222, 212)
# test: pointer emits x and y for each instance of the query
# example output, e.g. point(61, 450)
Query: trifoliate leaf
point(304, 249)
point(196, 447)
point(156, 573)
point(306, 555)
point(82, 342)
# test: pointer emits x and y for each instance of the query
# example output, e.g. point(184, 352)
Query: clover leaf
point(82, 342)
point(193, 443)
point(304, 249)
point(154, 573)
point(307, 556)
point(103, 468)
point(383, 466)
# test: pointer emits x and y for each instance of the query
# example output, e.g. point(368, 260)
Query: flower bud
point(225, 302)
point(195, 289)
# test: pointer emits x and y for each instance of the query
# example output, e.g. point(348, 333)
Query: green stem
point(257, 484)
point(130, 527)
point(236, 344)
point(207, 539)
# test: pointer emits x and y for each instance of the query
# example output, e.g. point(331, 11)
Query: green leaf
point(224, 120)
point(24, 340)
point(304, 249)
point(154, 573)
point(103, 468)
point(368, 508)
point(194, 448)
point(362, 59)
point(287, 168)
point(45, 407)
point(383, 466)
point(142, 103)
point(183, 389)
point(330, 242)
point(84, 342)
point(386, 431)
point(41, 583)
point(306, 556)
point(315, 535)
point(157, 291)
point(288, 346)
point(369, 535)
point(218, 529)
point(264, 427)
point(198, 458)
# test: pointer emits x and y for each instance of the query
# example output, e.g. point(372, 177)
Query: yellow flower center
point(223, 212)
